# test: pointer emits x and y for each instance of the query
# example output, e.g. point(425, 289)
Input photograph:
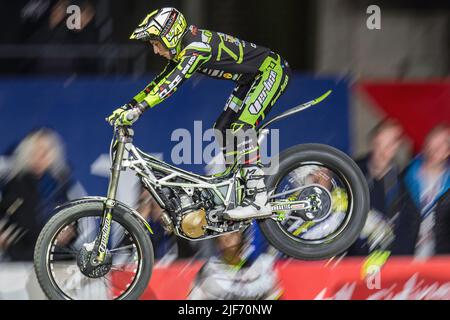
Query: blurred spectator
point(424, 226)
point(38, 181)
point(382, 176)
point(44, 22)
point(236, 273)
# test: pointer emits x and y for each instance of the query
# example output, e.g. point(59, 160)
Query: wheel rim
point(62, 255)
point(307, 176)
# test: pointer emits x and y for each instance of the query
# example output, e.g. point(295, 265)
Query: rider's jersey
point(214, 54)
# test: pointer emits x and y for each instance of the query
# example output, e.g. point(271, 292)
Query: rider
point(260, 74)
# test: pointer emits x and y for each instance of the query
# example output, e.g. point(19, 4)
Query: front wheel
point(337, 196)
point(64, 246)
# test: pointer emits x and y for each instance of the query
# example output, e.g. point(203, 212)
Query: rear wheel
point(336, 189)
point(63, 249)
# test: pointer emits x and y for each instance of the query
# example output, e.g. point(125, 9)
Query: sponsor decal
point(169, 24)
point(281, 207)
point(153, 30)
point(297, 206)
point(221, 74)
point(256, 106)
point(229, 38)
point(172, 85)
point(165, 91)
point(189, 64)
point(105, 236)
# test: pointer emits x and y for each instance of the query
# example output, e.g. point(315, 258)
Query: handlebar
point(133, 114)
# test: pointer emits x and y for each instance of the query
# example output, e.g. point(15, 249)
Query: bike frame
point(226, 189)
point(144, 164)
point(124, 154)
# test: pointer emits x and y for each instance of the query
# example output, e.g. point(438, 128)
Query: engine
point(189, 212)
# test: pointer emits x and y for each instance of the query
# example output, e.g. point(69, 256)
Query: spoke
point(94, 289)
point(112, 285)
point(117, 269)
point(127, 270)
point(109, 284)
point(117, 229)
point(287, 192)
point(129, 254)
point(305, 176)
point(111, 288)
point(62, 256)
point(122, 290)
point(125, 263)
point(72, 283)
point(65, 250)
point(83, 235)
point(304, 227)
point(294, 226)
point(123, 248)
point(291, 217)
point(83, 227)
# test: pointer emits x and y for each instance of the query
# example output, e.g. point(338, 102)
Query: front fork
point(101, 242)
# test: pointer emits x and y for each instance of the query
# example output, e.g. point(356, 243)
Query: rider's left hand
point(116, 114)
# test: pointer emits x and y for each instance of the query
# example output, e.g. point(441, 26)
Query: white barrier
point(18, 282)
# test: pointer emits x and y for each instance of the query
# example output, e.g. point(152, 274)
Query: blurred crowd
point(410, 206)
point(410, 212)
point(410, 209)
point(44, 28)
point(35, 178)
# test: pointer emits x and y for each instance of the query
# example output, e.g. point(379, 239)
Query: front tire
point(357, 206)
point(91, 211)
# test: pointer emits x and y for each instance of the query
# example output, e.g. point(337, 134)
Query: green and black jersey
point(231, 58)
point(214, 54)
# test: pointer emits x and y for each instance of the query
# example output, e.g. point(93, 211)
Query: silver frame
point(143, 167)
point(143, 163)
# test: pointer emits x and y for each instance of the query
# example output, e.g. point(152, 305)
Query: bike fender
point(102, 200)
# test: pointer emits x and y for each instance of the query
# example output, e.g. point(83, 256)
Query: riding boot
point(254, 204)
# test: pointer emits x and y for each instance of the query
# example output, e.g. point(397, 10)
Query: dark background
point(288, 27)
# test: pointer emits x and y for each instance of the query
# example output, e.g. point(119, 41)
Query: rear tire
point(340, 162)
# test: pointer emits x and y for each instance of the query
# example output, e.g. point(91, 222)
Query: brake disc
point(84, 263)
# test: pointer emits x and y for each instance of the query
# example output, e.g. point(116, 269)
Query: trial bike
point(100, 248)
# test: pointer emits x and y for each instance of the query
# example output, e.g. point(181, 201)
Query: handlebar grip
point(133, 114)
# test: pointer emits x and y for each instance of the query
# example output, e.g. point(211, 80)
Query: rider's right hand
point(117, 113)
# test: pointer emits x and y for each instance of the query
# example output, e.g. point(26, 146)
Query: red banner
point(399, 278)
point(418, 106)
